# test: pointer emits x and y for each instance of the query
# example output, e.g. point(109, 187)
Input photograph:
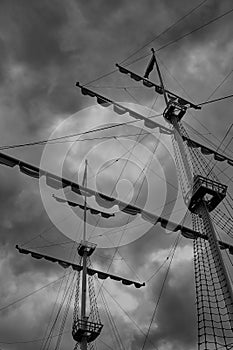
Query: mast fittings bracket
point(85, 246)
point(174, 109)
point(212, 192)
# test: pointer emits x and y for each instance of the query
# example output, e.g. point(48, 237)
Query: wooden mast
point(84, 272)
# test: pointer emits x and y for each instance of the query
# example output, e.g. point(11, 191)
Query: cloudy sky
point(46, 47)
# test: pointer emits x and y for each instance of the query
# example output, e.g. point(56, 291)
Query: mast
point(176, 136)
point(84, 318)
point(86, 328)
point(202, 195)
point(86, 323)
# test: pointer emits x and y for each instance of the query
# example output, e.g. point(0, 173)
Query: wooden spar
point(149, 83)
point(66, 264)
point(160, 78)
point(58, 182)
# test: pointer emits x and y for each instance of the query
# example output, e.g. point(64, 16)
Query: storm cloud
point(46, 47)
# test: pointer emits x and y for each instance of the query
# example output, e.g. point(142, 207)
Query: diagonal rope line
point(166, 45)
point(219, 85)
point(165, 31)
point(226, 134)
point(161, 291)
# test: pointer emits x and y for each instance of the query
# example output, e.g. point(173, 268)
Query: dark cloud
point(175, 311)
point(32, 31)
point(46, 47)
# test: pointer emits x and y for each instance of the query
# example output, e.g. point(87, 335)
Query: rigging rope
point(47, 334)
point(34, 292)
point(93, 317)
point(184, 90)
point(199, 162)
point(139, 191)
point(109, 347)
point(134, 98)
point(49, 338)
point(196, 29)
point(163, 263)
point(173, 255)
point(37, 340)
point(165, 31)
point(94, 312)
point(208, 141)
point(212, 298)
point(67, 308)
point(127, 314)
point(223, 221)
point(220, 84)
point(119, 176)
point(111, 320)
point(225, 136)
point(215, 100)
point(165, 45)
point(41, 142)
point(161, 290)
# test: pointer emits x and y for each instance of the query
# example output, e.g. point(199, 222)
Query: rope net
point(213, 299)
point(92, 307)
point(223, 221)
point(200, 166)
point(89, 346)
point(183, 160)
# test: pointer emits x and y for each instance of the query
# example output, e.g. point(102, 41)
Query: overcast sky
point(45, 48)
